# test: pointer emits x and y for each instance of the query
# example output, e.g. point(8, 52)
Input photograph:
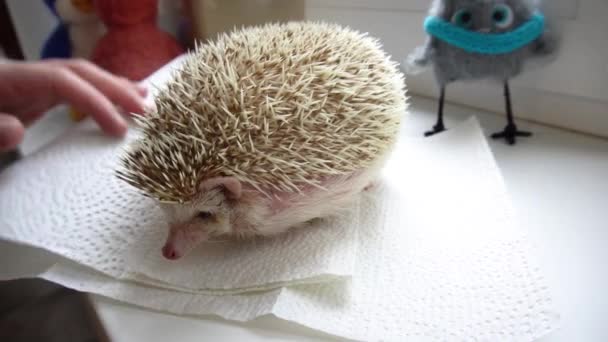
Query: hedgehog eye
point(502, 16)
point(204, 215)
point(463, 18)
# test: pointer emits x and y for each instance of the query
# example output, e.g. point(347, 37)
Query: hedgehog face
point(488, 16)
point(195, 222)
point(205, 217)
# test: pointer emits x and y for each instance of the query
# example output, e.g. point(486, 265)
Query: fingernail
point(121, 127)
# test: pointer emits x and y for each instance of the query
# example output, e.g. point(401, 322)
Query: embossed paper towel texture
point(67, 199)
point(439, 257)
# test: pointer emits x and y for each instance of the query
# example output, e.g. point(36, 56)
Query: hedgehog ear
point(230, 185)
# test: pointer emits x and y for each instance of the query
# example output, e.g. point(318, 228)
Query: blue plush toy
point(58, 44)
point(470, 40)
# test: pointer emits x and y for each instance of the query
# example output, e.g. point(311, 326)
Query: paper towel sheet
point(67, 199)
point(439, 257)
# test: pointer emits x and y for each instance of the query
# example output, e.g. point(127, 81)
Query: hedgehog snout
point(170, 253)
point(181, 240)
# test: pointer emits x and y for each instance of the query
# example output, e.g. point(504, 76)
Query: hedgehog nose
point(170, 253)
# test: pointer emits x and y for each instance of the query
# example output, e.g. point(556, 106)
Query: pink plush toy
point(133, 47)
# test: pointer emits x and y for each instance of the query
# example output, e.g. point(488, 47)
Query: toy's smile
point(486, 43)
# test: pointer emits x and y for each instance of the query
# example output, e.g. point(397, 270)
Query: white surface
point(436, 257)
point(557, 182)
point(82, 211)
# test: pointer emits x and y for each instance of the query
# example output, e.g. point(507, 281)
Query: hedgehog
point(266, 128)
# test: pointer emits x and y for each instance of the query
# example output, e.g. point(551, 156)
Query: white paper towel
point(67, 199)
point(438, 256)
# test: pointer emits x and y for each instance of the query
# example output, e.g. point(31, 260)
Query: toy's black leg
point(439, 127)
point(510, 132)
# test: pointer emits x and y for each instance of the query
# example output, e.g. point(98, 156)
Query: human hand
point(29, 89)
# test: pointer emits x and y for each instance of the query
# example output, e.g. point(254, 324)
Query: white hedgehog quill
point(267, 128)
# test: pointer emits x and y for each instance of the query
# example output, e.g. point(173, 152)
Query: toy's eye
point(502, 16)
point(463, 18)
point(204, 215)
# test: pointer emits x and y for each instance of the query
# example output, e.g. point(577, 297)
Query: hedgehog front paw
point(510, 133)
point(313, 222)
point(370, 186)
point(438, 128)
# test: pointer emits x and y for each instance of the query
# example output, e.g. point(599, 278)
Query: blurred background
point(571, 92)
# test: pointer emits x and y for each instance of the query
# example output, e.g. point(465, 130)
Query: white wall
point(572, 92)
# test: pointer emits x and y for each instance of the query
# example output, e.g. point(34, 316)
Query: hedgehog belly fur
point(280, 107)
point(300, 209)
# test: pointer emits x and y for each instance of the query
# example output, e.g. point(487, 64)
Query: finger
point(66, 85)
point(11, 132)
point(31, 117)
point(121, 91)
point(29, 113)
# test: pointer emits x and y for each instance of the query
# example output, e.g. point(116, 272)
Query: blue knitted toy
point(470, 40)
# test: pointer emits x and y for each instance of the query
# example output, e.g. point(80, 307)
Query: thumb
point(11, 132)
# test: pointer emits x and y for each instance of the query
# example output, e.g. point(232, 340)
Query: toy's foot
point(438, 128)
point(510, 133)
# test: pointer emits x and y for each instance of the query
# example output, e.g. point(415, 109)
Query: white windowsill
point(557, 181)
